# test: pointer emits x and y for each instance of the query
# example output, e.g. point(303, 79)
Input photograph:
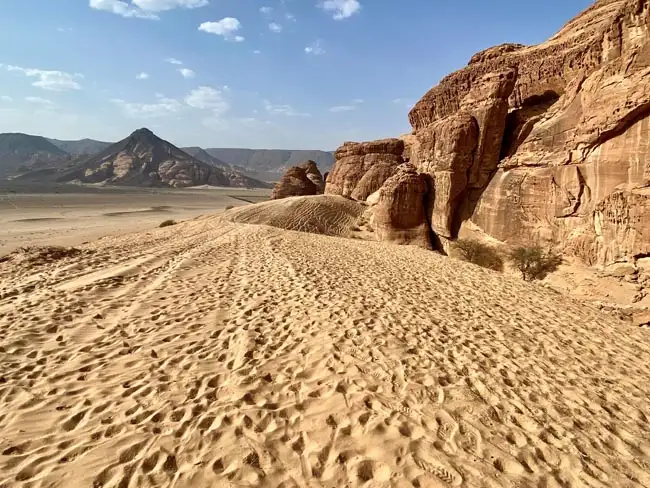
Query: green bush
point(167, 223)
point(478, 253)
point(534, 262)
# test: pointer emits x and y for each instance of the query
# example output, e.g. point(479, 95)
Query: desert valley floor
point(219, 354)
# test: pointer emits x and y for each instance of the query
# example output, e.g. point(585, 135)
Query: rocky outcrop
point(294, 183)
point(314, 175)
point(560, 139)
point(400, 213)
point(362, 168)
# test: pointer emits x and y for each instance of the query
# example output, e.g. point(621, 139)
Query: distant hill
point(21, 152)
point(144, 159)
point(88, 147)
point(271, 160)
point(202, 155)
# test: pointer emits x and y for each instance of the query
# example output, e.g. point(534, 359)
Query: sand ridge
point(219, 354)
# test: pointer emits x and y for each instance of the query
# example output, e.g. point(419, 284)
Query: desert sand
point(215, 353)
point(69, 215)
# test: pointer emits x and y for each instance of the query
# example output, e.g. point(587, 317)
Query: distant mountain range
point(272, 160)
point(141, 159)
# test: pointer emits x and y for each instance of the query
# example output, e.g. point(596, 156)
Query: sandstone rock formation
point(295, 183)
point(563, 159)
point(314, 174)
point(400, 213)
point(362, 168)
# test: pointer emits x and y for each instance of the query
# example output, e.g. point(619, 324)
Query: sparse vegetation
point(478, 253)
point(534, 262)
point(167, 223)
point(229, 207)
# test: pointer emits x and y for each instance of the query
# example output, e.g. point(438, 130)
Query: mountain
point(202, 155)
point(272, 160)
point(144, 159)
point(82, 147)
point(21, 152)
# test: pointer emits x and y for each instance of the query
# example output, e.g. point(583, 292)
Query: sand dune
point(220, 354)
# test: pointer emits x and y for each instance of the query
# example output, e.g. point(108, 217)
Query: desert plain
point(220, 352)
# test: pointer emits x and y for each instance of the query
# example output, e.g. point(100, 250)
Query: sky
point(288, 74)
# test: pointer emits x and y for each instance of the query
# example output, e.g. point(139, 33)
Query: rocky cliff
point(546, 143)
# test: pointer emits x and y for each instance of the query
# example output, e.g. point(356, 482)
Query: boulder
point(295, 182)
point(314, 174)
point(362, 168)
point(400, 213)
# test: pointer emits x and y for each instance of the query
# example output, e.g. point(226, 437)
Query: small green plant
point(229, 207)
point(534, 262)
point(478, 253)
point(167, 223)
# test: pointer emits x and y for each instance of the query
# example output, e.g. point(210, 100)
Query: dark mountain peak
point(145, 135)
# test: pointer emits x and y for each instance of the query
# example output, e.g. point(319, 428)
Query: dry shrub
point(40, 255)
point(167, 223)
point(534, 262)
point(478, 253)
point(230, 207)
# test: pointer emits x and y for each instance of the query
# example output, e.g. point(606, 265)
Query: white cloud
point(257, 51)
point(44, 102)
point(342, 108)
point(124, 9)
point(64, 29)
point(315, 49)
point(290, 17)
point(357, 101)
point(173, 61)
point(164, 106)
point(341, 9)
point(287, 110)
point(6, 98)
point(142, 76)
point(143, 9)
point(208, 98)
point(187, 73)
point(266, 10)
point(162, 5)
point(226, 28)
point(273, 27)
point(48, 79)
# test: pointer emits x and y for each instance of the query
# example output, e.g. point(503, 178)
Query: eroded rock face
point(295, 183)
point(562, 137)
point(362, 168)
point(400, 212)
point(314, 174)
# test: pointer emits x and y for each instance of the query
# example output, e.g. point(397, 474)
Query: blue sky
point(298, 74)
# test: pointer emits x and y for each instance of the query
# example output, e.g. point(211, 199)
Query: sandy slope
point(217, 354)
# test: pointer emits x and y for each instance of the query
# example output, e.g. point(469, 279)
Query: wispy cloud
point(274, 27)
point(142, 76)
point(162, 107)
point(341, 9)
point(315, 49)
point(405, 102)
point(187, 73)
point(124, 9)
point(208, 98)
point(144, 9)
point(49, 79)
point(257, 51)
point(226, 28)
point(290, 17)
point(342, 108)
point(266, 10)
point(287, 110)
point(64, 29)
point(6, 98)
point(173, 61)
point(43, 102)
